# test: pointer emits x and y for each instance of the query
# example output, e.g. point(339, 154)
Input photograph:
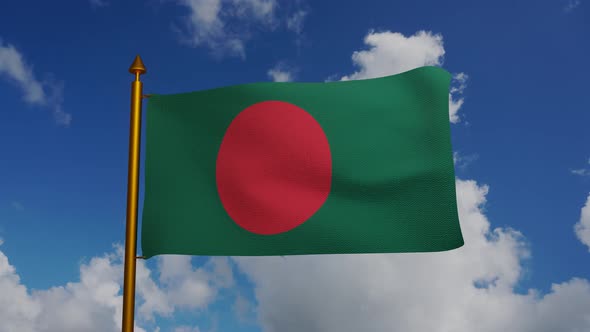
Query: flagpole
point(137, 68)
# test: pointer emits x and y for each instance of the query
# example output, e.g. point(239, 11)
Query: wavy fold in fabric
point(302, 168)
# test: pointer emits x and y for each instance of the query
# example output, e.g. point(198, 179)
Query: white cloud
point(295, 21)
point(462, 161)
point(582, 171)
point(467, 289)
point(155, 300)
point(280, 76)
point(280, 73)
point(222, 272)
point(472, 288)
point(455, 100)
point(262, 10)
point(571, 5)
point(13, 66)
point(582, 228)
point(94, 303)
point(454, 106)
point(223, 25)
point(392, 53)
point(48, 94)
point(17, 309)
point(191, 290)
point(244, 310)
point(187, 329)
point(189, 287)
point(206, 27)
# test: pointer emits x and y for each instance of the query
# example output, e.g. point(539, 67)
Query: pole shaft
point(132, 198)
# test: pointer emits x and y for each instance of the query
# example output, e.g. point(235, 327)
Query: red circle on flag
point(274, 168)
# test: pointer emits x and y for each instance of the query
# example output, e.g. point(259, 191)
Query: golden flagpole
point(137, 68)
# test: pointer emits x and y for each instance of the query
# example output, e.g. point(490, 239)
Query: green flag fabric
point(302, 168)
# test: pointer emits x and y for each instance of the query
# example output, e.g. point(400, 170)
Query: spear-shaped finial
point(137, 66)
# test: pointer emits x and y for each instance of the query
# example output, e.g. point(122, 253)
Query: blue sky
point(519, 126)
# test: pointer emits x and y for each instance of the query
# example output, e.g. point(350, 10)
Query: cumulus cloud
point(94, 303)
point(45, 94)
point(17, 309)
point(582, 228)
point(223, 25)
point(184, 283)
point(206, 27)
point(472, 288)
point(467, 289)
point(281, 73)
point(391, 53)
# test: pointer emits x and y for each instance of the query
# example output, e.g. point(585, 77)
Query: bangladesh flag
point(302, 168)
